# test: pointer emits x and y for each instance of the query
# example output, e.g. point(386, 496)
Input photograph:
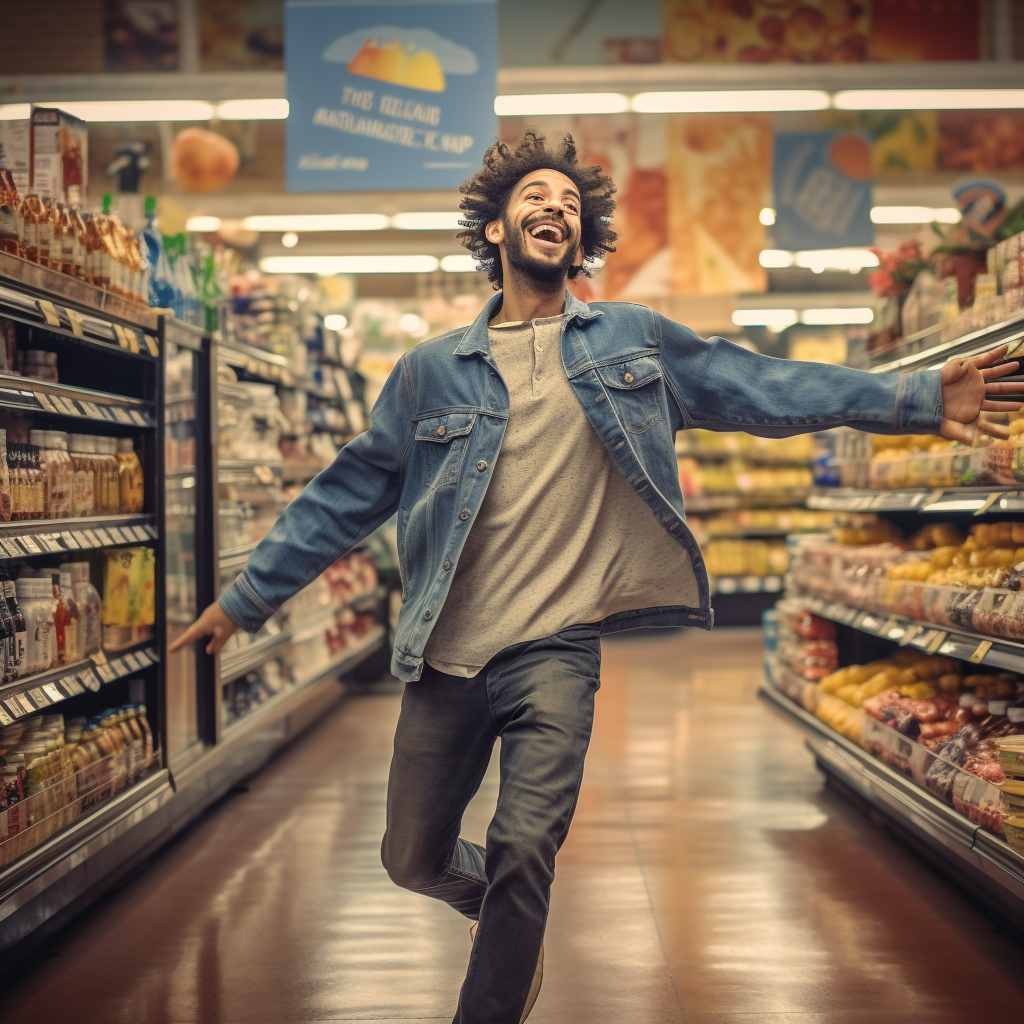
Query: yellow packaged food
point(117, 587)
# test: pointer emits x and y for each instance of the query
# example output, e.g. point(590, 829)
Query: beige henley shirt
point(561, 537)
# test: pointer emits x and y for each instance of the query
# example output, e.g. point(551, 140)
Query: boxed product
point(14, 152)
point(59, 156)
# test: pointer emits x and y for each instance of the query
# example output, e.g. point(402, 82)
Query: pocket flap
point(441, 429)
point(632, 373)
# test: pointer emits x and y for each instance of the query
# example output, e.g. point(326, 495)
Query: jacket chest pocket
point(637, 391)
point(441, 443)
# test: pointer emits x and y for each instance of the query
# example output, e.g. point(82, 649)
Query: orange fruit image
point(400, 65)
point(851, 155)
point(202, 161)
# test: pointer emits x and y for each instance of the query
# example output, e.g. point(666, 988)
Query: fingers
point(993, 355)
point(1007, 387)
point(998, 430)
point(190, 636)
point(1001, 406)
point(1000, 371)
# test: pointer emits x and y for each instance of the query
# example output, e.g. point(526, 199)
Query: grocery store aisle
point(708, 879)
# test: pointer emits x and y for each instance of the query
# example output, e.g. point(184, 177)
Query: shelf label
point(38, 697)
point(988, 503)
point(117, 666)
point(150, 531)
point(90, 538)
point(107, 674)
point(5, 719)
point(151, 345)
point(49, 311)
point(51, 691)
point(138, 533)
point(26, 704)
point(69, 540)
point(103, 537)
point(908, 635)
point(151, 651)
point(936, 641)
point(120, 415)
point(11, 548)
point(75, 319)
point(137, 418)
point(92, 409)
point(980, 651)
point(50, 542)
point(144, 658)
point(13, 708)
point(90, 679)
point(29, 544)
point(887, 627)
point(132, 662)
point(44, 400)
point(118, 536)
point(68, 686)
point(119, 333)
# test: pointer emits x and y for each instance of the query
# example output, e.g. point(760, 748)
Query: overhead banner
point(822, 184)
point(388, 95)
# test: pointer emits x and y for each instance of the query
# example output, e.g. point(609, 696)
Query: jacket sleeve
point(722, 386)
point(340, 507)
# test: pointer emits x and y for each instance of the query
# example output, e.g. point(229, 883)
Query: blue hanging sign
point(393, 95)
point(823, 185)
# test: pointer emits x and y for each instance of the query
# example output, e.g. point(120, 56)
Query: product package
point(59, 155)
point(14, 152)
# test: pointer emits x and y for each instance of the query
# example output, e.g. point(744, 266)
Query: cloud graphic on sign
point(414, 57)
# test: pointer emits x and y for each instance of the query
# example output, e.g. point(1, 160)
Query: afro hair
point(486, 195)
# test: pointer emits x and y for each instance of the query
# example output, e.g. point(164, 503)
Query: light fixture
point(289, 239)
point(327, 265)
point(929, 99)
point(202, 224)
point(136, 110)
point(445, 220)
point(335, 321)
point(915, 215)
point(773, 319)
point(852, 260)
point(253, 110)
point(461, 264)
point(767, 216)
point(14, 111)
point(411, 323)
point(832, 317)
point(775, 259)
point(729, 100)
point(317, 222)
point(536, 104)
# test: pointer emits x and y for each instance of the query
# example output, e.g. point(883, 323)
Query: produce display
point(734, 557)
point(957, 731)
point(53, 769)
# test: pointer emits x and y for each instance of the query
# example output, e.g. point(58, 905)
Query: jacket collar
point(475, 338)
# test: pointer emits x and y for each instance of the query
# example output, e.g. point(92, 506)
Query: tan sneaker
point(538, 978)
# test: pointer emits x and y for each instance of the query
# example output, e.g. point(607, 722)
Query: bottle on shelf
point(34, 596)
point(61, 619)
point(83, 501)
point(8, 644)
point(31, 215)
point(73, 627)
point(6, 496)
point(9, 203)
point(131, 487)
point(18, 617)
point(87, 598)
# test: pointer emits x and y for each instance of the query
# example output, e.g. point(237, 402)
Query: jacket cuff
point(243, 606)
point(919, 403)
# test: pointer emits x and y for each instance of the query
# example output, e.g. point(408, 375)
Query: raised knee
point(405, 867)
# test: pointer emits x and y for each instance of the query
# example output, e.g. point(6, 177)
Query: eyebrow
point(530, 184)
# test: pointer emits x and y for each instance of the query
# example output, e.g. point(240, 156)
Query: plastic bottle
point(37, 605)
point(6, 496)
point(160, 290)
point(130, 481)
point(8, 645)
point(20, 629)
point(61, 619)
point(73, 628)
point(87, 597)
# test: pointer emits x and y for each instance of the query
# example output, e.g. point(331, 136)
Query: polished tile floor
point(708, 879)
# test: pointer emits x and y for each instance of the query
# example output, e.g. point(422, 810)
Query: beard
point(537, 269)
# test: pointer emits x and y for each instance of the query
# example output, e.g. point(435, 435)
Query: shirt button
point(464, 514)
point(628, 378)
point(481, 465)
point(440, 431)
point(447, 565)
point(427, 614)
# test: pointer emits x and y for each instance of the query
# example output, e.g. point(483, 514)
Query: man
point(513, 566)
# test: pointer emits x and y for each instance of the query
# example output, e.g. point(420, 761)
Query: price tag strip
point(980, 651)
point(90, 679)
point(90, 538)
point(29, 544)
point(117, 536)
point(75, 319)
point(103, 537)
point(39, 698)
point(106, 673)
point(5, 719)
point(51, 691)
point(69, 540)
point(49, 311)
point(132, 662)
point(908, 635)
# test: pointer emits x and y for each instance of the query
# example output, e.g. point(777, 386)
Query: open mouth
point(547, 231)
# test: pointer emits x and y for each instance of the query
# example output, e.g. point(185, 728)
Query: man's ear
point(495, 232)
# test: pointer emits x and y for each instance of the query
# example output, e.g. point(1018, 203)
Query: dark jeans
point(539, 698)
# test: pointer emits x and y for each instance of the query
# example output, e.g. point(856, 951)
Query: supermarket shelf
point(32, 395)
point(698, 504)
point(244, 471)
point(254, 361)
point(67, 536)
point(53, 306)
point(977, 500)
point(754, 458)
point(235, 558)
point(997, 871)
point(44, 689)
point(754, 533)
point(952, 641)
point(746, 584)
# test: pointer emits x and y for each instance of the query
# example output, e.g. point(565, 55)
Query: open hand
point(967, 389)
point(213, 623)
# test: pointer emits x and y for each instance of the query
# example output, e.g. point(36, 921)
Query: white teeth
point(553, 233)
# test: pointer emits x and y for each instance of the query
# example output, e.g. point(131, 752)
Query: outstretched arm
point(341, 506)
point(722, 386)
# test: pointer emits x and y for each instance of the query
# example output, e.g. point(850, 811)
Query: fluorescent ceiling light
point(461, 264)
point(729, 100)
point(767, 216)
point(929, 99)
point(317, 222)
point(252, 110)
point(327, 265)
point(14, 111)
point(289, 239)
point(820, 260)
point(827, 317)
point(440, 221)
point(202, 224)
point(915, 215)
point(560, 103)
point(775, 319)
point(137, 110)
point(775, 259)
point(335, 321)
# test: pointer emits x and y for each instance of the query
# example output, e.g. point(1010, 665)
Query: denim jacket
point(437, 429)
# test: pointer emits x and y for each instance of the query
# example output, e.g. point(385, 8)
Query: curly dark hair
point(486, 196)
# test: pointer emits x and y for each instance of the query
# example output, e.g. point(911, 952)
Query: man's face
point(540, 233)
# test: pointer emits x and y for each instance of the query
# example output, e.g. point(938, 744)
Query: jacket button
point(440, 431)
point(481, 465)
point(447, 565)
point(464, 514)
point(427, 614)
point(628, 378)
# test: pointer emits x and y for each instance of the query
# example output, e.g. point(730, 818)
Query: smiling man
point(530, 461)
